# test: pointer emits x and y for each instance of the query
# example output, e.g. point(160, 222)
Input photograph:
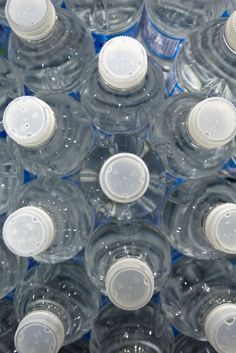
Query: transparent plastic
point(59, 199)
point(206, 63)
point(71, 139)
point(193, 291)
point(55, 62)
point(166, 24)
point(128, 262)
point(63, 292)
point(7, 326)
point(116, 330)
point(123, 181)
point(80, 346)
point(184, 344)
point(12, 267)
point(10, 175)
point(185, 157)
point(107, 94)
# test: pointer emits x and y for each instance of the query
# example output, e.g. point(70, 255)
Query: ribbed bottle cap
point(29, 121)
point(40, 332)
point(129, 283)
point(212, 122)
point(123, 63)
point(220, 328)
point(220, 227)
point(28, 231)
point(124, 177)
point(230, 31)
point(31, 19)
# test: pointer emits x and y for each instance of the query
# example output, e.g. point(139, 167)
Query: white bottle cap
point(124, 178)
point(31, 19)
point(29, 121)
point(230, 31)
point(212, 122)
point(40, 332)
point(28, 231)
point(220, 328)
point(123, 63)
point(220, 227)
point(129, 283)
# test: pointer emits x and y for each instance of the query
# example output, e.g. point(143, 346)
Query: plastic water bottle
point(48, 133)
point(122, 87)
point(184, 344)
point(145, 330)
point(199, 299)
point(55, 305)
point(106, 19)
point(199, 219)
point(49, 47)
point(128, 263)
point(207, 61)
point(197, 134)
point(166, 24)
point(10, 175)
point(12, 267)
point(123, 177)
point(49, 219)
point(7, 326)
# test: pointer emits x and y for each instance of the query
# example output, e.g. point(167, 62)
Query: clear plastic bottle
point(196, 134)
point(207, 61)
point(199, 300)
point(10, 175)
point(8, 326)
point(145, 330)
point(128, 263)
point(55, 305)
point(166, 24)
point(122, 87)
point(184, 344)
point(106, 19)
point(12, 267)
point(49, 47)
point(48, 219)
point(49, 134)
point(199, 219)
point(123, 177)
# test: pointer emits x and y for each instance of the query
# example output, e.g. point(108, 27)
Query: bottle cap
point(40, 332)
point(220, 328)
point(124, 178)
point(212, 122)
point(220, 227)
point(28, 231)
point(129, 283)
point(31, 19)
point(123, 63)
point(29, 121)
point(230, 31)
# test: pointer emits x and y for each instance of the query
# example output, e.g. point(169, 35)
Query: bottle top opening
point(123, 63)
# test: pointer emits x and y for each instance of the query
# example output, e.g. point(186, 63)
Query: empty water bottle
point(106, 19)
point(56, 305)
point(122, 87)
point(199, 299)
point(197, 134)
point(48, 134)
point(123, 177)
point(48, 47)
point(199, 219)
point(207, 61)
point(10, 175)
point(145, 330)
point(128, 263)
point(12, 267)
point(184, 344)
point(49, 219)
point(166, 24)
